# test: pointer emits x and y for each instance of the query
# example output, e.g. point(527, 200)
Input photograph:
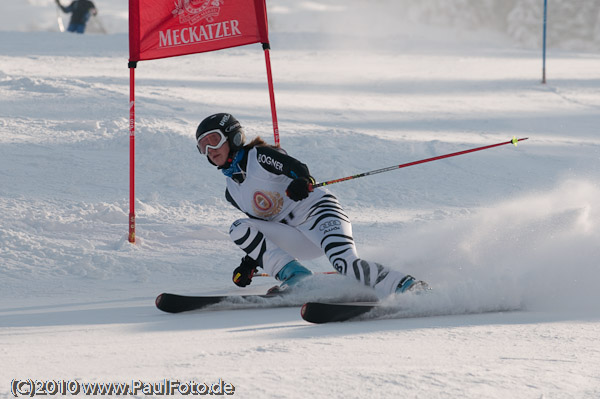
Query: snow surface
point(506, 228)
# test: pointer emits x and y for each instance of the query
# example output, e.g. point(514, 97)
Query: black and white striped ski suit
point(326, 230)
point(280, 230)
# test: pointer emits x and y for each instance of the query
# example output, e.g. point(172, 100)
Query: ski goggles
point(212, 139)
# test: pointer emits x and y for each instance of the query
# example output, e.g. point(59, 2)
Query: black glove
point(299, 188)
point(242, 275)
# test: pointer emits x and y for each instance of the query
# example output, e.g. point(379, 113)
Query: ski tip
point(303, 310)
point(168, 303)
point(328, 312)
point(158, 300)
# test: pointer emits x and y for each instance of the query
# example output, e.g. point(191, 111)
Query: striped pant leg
point(246, 235)
point(383, 280)
point(329, 227)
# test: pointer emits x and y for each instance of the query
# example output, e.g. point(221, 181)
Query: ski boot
point(409, 284)
point(289, 275)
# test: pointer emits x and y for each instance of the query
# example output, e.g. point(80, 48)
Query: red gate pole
point(266, 48)
point(132, 66)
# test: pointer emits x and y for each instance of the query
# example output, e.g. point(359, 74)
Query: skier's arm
point(282, 164)
point(93, 9)
point(64, 9)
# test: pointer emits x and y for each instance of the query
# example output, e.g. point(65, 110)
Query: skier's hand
point(242, 275)
point(299, 188)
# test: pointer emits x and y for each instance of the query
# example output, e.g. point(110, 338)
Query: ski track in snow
point(508, 238)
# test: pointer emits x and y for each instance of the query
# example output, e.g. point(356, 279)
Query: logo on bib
point(267, 204)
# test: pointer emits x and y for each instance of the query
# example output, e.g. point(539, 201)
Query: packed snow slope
point(512, 229)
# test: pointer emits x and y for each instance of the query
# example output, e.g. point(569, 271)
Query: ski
point(61, 26)
point(328, 312)
point(174, 303)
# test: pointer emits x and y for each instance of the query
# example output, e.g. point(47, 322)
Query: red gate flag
point(168, 28)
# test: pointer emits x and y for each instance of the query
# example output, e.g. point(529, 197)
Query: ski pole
point(404, 165)
point(99, 24)
point(268, 275)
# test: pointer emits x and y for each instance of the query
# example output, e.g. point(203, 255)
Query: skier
point(81, 11)
point(287, 216)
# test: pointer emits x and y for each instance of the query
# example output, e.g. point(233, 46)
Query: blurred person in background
point(81, 11)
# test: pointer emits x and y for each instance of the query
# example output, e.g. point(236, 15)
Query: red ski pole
point(268, 275)
point(404, 165)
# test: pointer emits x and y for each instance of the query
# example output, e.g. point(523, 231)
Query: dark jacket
point(81, 11)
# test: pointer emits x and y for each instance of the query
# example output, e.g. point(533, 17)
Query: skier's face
point(219, 156)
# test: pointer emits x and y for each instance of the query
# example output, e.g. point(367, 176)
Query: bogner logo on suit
point(267, 160)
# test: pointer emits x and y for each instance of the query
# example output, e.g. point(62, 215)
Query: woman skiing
point(288, 219)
